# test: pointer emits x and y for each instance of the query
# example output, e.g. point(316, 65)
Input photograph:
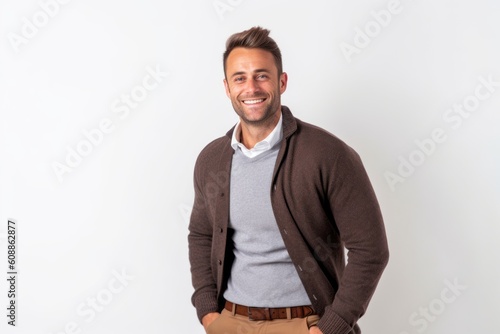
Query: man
point(276, 202)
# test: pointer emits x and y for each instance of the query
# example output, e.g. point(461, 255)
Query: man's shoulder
point(212, 153)
point(318, 148)
point(315, 136)
point(312, 141)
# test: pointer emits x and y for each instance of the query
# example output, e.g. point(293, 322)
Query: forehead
point(248, 60)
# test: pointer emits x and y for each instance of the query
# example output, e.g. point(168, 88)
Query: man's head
point(254, 38)
point(254, 77)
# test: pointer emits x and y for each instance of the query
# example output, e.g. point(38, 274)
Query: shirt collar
point(266, 144)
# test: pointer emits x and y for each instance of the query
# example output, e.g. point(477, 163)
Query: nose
point(252, 85)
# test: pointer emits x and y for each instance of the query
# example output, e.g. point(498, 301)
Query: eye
point(239, 79)
point(262, 76)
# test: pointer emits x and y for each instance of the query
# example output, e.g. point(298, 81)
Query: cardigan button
point(220, 262)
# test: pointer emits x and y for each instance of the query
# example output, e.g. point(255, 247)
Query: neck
point(251, 134)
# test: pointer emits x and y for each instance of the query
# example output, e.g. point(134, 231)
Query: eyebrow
point(260, 70)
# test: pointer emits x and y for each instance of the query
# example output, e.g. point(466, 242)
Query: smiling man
point(276, 202)
point(254, 86)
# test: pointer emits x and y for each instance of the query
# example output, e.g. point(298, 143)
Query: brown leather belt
point(268, 313)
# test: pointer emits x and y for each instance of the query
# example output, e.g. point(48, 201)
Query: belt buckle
point(259, 313)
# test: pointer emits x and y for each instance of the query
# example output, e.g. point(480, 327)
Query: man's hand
point(315, 330)
point(209, 318)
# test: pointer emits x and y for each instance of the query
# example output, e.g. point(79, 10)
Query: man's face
point(253, 85)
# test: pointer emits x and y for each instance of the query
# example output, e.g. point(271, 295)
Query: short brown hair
point(254, 38)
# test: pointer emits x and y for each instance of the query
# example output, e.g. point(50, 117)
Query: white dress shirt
point(266, 144)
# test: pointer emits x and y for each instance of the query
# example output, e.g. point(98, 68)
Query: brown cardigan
point(322, 199)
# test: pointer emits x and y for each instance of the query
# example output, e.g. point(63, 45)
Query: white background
point(125, 206)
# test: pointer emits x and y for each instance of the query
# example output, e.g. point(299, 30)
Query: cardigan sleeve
point(359, 221)
point(204, 297)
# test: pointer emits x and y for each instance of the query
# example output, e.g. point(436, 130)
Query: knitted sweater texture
point(322, 200)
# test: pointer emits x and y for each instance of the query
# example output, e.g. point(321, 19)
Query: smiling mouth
point(254, 101)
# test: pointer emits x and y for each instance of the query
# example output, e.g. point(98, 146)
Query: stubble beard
point(267, 116)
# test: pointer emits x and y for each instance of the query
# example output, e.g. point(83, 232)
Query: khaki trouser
point(228, 323)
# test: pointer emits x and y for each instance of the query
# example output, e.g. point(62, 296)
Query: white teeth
point(253, 101)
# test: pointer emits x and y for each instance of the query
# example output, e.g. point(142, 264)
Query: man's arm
point(200, 246)
point(360, 224)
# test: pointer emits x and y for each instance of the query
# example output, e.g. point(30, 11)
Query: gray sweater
point(262, 274)
point(322, 200)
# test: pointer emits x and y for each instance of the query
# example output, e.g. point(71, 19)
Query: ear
point(283, 82)
point(226, 86)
